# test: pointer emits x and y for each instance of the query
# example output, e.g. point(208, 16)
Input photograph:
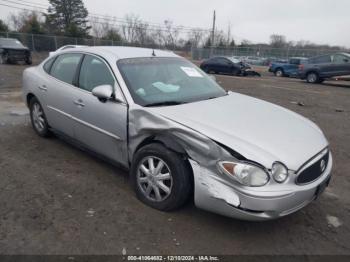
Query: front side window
point(340, 59)
point(153, 81)
point(65, 67)
point(94, 72)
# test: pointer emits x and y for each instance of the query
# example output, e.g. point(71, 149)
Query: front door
point(100, 125)
point(341, 64)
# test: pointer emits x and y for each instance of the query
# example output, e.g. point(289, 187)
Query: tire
point(38, 118)
point(3, 59)
point(206, 70)
point(279, 72)
point(178, 184)
point(29, 60)
point(236, 72)
point(312, 78)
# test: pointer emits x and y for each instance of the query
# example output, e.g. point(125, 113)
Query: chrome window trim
point(117, 85)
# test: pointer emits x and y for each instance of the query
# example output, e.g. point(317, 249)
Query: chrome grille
point(314, 171)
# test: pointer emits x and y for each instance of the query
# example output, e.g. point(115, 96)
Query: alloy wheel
point(312, 78)
point(154, 178)
point(38, 117)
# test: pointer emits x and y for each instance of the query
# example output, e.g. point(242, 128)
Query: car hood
point(258, 130)
point(14, 48)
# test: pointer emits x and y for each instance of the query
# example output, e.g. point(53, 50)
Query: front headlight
point(245, 173)
point(279, 172)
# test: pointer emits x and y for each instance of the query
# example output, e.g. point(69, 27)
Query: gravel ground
point(57, 199)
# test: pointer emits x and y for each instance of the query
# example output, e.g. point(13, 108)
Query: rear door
point(60, 93)
point(324, 65)
point(100, 125)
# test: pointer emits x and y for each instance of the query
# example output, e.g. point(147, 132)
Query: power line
point(150, 26)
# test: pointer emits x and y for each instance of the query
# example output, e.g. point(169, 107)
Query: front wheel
point(3, 59)
point(161, 178)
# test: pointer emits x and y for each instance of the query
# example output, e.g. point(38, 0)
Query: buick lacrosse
point(179, 133)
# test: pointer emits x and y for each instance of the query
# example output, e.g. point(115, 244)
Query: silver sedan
point(179, 133)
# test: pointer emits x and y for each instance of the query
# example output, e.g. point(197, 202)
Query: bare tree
point(171, 34)
point(278, 41)
point(130, 29)
point(195, 36)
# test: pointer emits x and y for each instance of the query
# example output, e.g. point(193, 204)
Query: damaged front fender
point(146, 126)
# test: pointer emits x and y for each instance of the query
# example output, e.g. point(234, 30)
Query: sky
point(319, 21)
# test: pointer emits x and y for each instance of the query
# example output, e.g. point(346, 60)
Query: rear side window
point(65, 67)
point(94, 72)
point(223, 61)
point(295, 61)
point(321, 60)
point(47, 66)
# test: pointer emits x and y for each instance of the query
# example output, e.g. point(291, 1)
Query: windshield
point(167, 81)
point(10, 43)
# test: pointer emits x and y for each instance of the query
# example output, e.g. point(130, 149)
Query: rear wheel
point(38, 118)
point(312, 78)
point(279, 72)
point(161, 178)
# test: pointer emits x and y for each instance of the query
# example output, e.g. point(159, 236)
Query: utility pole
point(213, 34)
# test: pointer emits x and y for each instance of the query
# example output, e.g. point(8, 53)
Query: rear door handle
point(43, 87)
point(79, 102)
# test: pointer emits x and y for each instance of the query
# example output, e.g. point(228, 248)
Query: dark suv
point(317, 69)
point(12, 50)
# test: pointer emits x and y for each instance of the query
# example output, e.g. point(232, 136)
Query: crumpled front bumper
point(214, 194)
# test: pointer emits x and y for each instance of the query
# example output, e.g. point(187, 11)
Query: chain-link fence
point(47, 43)
point(259, 53)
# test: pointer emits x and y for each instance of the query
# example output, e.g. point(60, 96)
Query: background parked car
point(317, 69)
point(225, 65)
point(12, 50)
point(253, 60)
point(289, 68)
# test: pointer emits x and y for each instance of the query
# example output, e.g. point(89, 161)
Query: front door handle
point(79, 102)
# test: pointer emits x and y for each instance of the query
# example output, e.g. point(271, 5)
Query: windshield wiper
point(165, 103)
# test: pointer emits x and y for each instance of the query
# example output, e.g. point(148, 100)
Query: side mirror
point(103, 92)
point(346, 60)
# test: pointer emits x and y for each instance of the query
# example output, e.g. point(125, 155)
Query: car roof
point(122, 52)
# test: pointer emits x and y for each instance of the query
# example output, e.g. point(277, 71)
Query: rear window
point(295, 61)
point(47, 66)
point(65, 67)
